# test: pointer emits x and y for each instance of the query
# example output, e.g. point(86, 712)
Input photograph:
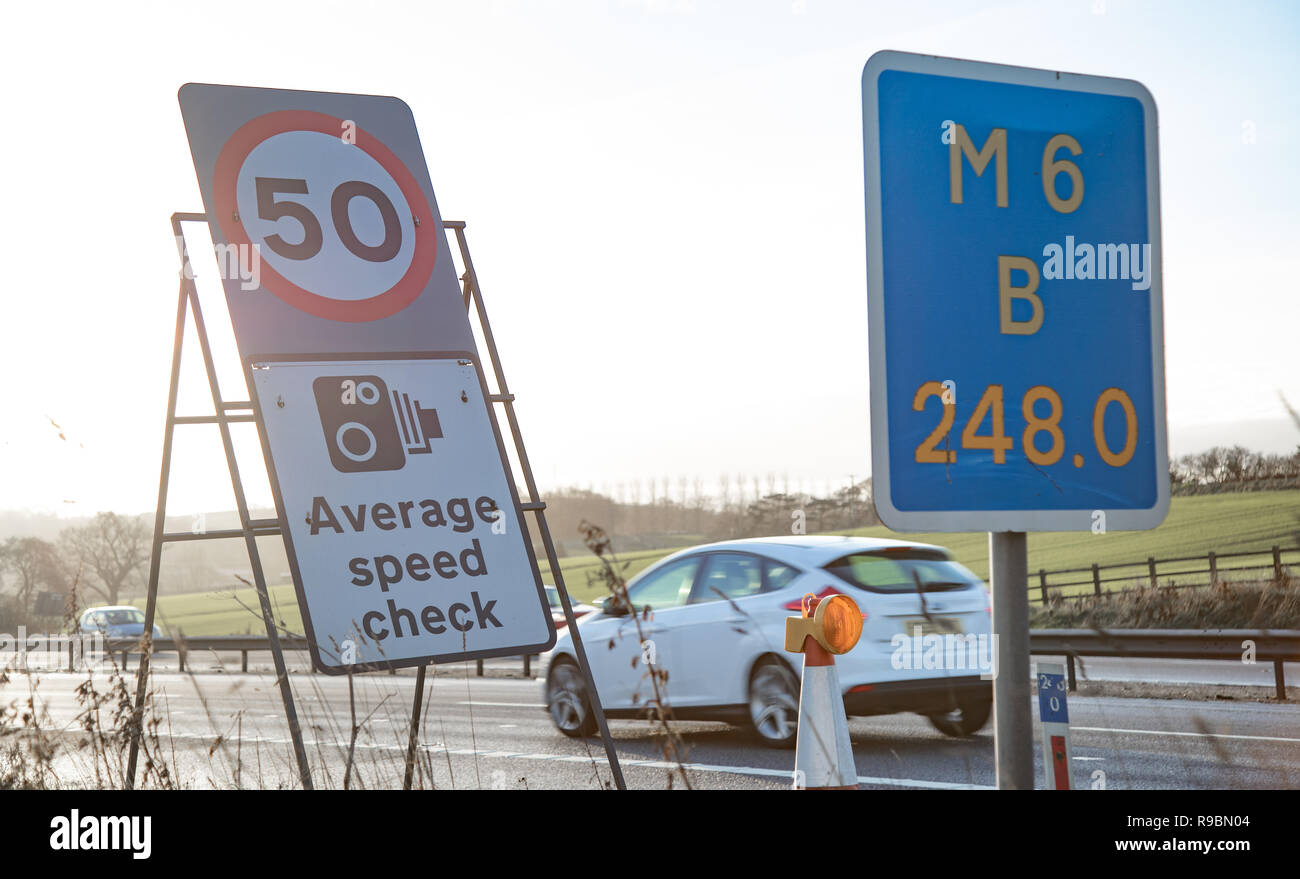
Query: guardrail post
point(528, 665)
point(1277, 564)
point(1069, 672)
point(1096, 580)
point(126, 654)
point(180, 656)
point(1151, 569)
point(1042, 584)
point(1279, 678)
point(243, 661)
point(478, 667)
point(1214, 568)
point(72, 653)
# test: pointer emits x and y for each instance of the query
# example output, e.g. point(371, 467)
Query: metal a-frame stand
point(224, 414)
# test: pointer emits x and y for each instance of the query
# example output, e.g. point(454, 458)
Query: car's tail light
point(797, 604)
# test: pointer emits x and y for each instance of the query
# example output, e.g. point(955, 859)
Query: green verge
point(1196, 525)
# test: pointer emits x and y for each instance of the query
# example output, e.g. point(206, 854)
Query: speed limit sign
point(327, 233)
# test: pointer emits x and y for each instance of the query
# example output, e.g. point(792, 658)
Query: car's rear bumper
point(928, 696)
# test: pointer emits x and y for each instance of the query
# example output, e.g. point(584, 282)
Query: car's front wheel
point(774, 703)
point(966, 719)
point(567, 702)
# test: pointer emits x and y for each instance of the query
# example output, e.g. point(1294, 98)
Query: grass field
point(236, 611)
point(1195, 526)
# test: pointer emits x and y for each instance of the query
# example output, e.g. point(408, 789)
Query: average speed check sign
point(327, 232)
point(1014, 298)
point(404, 532)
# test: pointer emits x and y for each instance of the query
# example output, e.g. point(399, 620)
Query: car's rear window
point(124, 617)
point(898, 570)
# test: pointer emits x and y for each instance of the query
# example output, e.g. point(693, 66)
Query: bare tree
point(112, 548)
point(34, 562)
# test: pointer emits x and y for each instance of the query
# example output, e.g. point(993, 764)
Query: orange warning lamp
point(834, 622)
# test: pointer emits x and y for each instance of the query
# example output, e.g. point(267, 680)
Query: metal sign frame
point(250, 529)
point(226, 413)
point(1117, 519)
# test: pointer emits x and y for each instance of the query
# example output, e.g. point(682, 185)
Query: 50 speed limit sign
point(327, 231)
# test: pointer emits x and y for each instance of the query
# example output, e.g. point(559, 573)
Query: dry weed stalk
point(658, 711)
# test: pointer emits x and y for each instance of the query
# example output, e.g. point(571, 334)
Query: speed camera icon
point(368, 427)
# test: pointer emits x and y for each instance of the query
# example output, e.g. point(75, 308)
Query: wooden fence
point(1172, 573)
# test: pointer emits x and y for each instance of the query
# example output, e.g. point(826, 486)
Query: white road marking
point(644, 764)
point(1195, 735)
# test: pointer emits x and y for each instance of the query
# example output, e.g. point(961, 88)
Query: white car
point(716, 625)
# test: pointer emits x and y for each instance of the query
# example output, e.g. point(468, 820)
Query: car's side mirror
point(612, 605)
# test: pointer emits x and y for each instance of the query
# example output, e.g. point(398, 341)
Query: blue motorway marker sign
point(1054, 722)
point(1014, 298)
point(1052, 706)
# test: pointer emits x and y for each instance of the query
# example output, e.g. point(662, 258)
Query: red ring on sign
point(225, 177)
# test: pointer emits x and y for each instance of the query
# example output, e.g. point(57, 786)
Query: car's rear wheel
point(567, 702)
point(966, 719)
point(774, 703)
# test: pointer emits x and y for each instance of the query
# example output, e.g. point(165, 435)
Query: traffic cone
point(823, 753)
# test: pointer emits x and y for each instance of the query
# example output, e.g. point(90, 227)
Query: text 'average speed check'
point(405, 531)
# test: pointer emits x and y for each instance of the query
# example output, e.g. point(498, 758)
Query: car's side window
point(777, 575)
point(670, 586)
point(729, 575)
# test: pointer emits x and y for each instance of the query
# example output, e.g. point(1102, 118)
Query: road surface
point(492, 732)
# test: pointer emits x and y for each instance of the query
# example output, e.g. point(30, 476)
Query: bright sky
point(665, 204)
